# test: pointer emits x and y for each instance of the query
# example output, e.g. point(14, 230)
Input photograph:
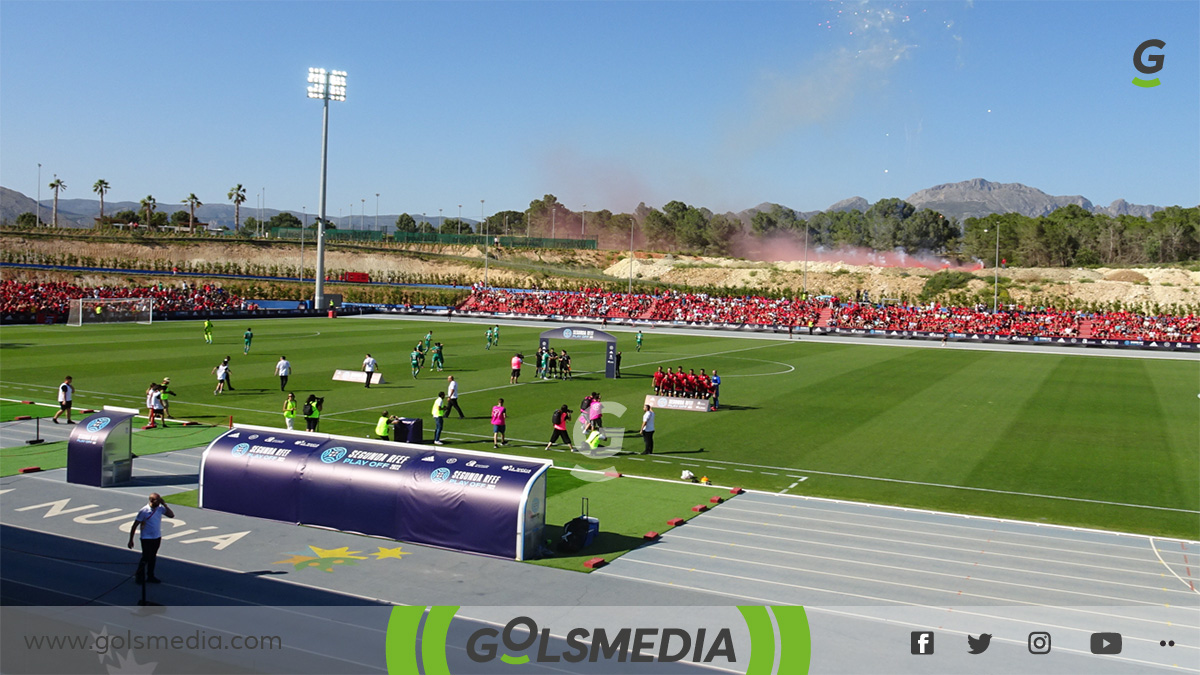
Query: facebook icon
point(922, 642)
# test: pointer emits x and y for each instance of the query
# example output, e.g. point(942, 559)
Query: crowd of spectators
point(702, 308)
point(1129, 326)
point(54, 297)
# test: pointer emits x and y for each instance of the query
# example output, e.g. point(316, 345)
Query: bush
point(946, 280)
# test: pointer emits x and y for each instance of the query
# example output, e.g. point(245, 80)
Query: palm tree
point(192, 201)
point(100, 188)
point(237, 194)
point(56, 185)
point(149, 204)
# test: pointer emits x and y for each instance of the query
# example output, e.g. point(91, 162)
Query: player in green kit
point(246, 338)
point(496, 335)
point(488, 335)
point(428, 340)
point(639, 341)
point(438, 360)
point(420, 348)
point(415, 359)
point(208, 331)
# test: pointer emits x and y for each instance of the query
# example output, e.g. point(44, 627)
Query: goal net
point(111, 310)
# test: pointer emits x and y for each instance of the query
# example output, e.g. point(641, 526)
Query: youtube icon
point(1106, 643)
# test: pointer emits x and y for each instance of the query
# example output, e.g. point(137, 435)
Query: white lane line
point(921, 534)
point(1191, 586)
point(923, 570)
point(979, 527)
point(696, 525)
point(932, 589)
point(983, 536)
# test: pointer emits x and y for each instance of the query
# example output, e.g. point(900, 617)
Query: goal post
point(110, 310)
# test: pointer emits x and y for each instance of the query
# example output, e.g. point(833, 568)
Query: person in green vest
point(439, 416)
point(246, 338)
point(166, 395)
point(208, 331)
point(383, 427)
point(639, 341)
point(312, 411)
point(289, 411)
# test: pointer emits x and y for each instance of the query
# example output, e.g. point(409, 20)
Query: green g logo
point(1148, 65)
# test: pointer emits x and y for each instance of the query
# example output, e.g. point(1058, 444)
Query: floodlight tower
point(327, 86)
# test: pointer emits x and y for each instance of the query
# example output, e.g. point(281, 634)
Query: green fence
point(330, 235)
point(479, 240)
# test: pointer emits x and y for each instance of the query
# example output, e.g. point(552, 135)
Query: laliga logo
point(240, 449)
point(1155, 63)
point(440, 475)
point(333, 455)
point(566, 332)
point(98, 424)
point(636, 645)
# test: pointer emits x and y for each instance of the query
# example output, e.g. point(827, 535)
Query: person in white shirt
point(66, 392)
point(452, 397)
point(648, 430)
point(222, 372)
point(150, 519)
point(283, 369)
point(369, 367)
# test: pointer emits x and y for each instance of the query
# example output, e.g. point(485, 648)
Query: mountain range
point(971, 198)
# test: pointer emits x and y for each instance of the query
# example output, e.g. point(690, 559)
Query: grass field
point(1111, 443)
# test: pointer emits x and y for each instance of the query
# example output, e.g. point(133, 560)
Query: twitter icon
point(979, 645)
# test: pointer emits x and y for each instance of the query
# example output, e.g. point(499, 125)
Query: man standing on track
point(440, 408)
point(150, 519)
point(66, 393)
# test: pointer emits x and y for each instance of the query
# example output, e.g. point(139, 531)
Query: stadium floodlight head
point(325, 84)
point(328, 86)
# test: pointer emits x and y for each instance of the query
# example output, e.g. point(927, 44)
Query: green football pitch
point(1086, 440)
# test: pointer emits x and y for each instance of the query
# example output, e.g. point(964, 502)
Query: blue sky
point(608, 104)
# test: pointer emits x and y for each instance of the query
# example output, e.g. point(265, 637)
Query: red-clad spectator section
point(702, 308)
point(18, 297)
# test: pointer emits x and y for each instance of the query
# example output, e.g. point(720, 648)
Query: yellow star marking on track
point(343, 552)
point(390, 553)
point(294, 560)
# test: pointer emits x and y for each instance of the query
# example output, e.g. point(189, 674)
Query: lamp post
point(262, 213)
point(304, 210)
point(39, 199)
point(583, 223)
point(553, 215)
point(996, 275)
point(483, 221)
point(325, 85)
point(460, 218)
point(806, 262)
point(631, 258)
point(440, 221)
point(376, 210)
